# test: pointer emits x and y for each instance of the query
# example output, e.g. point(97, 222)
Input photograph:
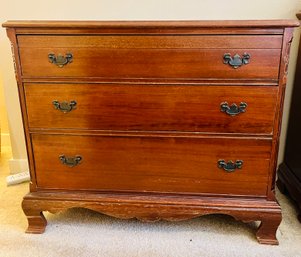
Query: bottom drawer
point(152, 164)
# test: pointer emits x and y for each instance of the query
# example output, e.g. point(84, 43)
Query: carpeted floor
point(79, 232)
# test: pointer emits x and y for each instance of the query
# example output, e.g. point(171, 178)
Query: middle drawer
point(221, 109)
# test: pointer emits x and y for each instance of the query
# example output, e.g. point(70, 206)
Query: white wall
point(128, 10)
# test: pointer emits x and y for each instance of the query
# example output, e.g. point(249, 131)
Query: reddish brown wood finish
point(152, 42)
point(287, 41)
point(164, 107)
point(11, 33)
point(144, 25)
point(143, 164)
point(155, 88)
point(181, 63)
point(150, 208)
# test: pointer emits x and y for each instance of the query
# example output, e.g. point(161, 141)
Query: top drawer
point(151, 57)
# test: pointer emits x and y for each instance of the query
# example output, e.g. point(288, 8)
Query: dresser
point(289, 172)
point(154, 120)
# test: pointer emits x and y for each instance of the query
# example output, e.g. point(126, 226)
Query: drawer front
point(152, 107)
point(144, 164)
point(169, 57)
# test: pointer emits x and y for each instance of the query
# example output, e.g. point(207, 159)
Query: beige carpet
point(80, 232)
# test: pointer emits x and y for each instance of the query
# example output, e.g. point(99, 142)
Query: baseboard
point(5, 140)
point(18, 165)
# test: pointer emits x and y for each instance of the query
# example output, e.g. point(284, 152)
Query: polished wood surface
point(176, 165)
point(176, 25)
point(151, 207)
point(179, 63)
point(164, 107)
point(147, 123)
point(153, 42)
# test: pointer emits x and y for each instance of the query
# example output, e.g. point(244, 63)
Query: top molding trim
point(153, 24)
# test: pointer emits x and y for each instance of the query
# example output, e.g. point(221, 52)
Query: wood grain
point(149, 63)
point(182, 165)
point(152, 107)
point(154, 207)
point(152, 42)
point(173, 24)
point(287, 41)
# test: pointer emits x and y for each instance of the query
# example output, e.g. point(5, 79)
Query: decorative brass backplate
point(70, 161)
point(236, 61)
point(230, 166)
point(233, 109)
point(64, 106)
point(60, 60)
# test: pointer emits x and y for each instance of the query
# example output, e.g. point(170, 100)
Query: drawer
point(152, 107)
point(148, 164)
point(151, 57)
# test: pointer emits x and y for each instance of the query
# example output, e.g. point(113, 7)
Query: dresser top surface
point(153, 24)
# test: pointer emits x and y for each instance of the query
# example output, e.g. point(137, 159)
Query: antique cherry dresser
point(153, 119)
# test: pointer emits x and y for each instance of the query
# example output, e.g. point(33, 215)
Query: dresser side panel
point(11, 33)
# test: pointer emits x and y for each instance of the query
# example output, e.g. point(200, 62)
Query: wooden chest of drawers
point(153, 120)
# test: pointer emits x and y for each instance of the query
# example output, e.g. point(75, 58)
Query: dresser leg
point(36, 220)
point(266, 233)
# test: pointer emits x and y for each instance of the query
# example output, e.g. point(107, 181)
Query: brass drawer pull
point(60, 60)
point(230, 166)
point(236, 61)
point(64, 106)
point(233, 109)
point(70, 161)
